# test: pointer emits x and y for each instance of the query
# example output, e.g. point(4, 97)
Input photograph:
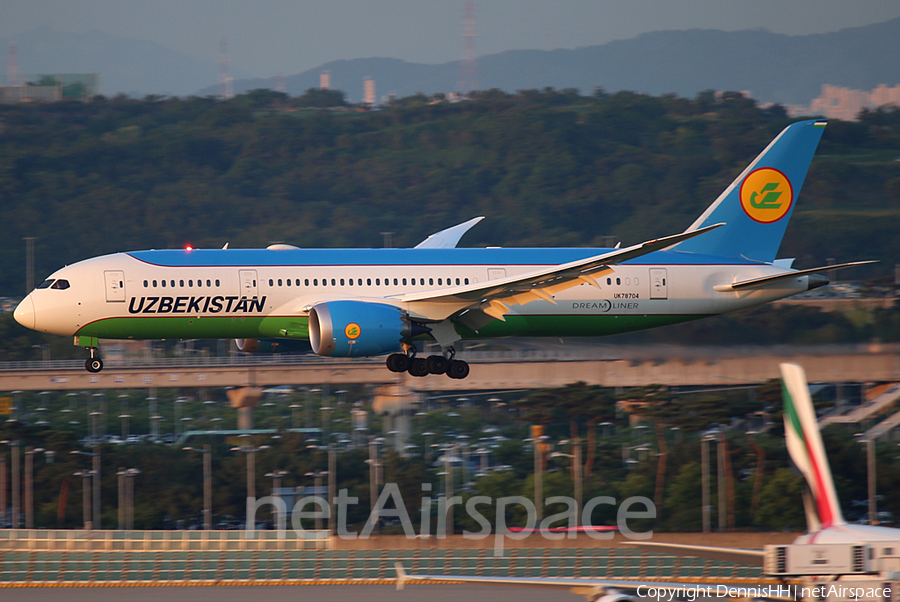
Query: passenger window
point(404, 282)
point(305, 282)
point(145, 284)
point(439, 281)
point(271, 282)
point(467, 281)
point(217, 282)
point(315, 282)
point(618, 281)
point(154, 284)
point(190, 283)
point(333, 283)
point(164, 284)
point(351, 282)
point(368, 282)
point(378, 282)
point(342, 282)
point(609, 281)
point(181, 283)
point(61, 285)
point(395, 282)
point(359, 281)
point(457, 281)
point(173, 283)
point(279, 282)
point(288, 281)
point(208, 283)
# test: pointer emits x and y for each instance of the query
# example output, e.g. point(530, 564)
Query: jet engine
point(356, 328)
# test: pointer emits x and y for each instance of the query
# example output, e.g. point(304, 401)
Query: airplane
point(371, 302)
point(833, 561)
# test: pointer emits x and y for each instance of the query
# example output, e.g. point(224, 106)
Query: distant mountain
point(773, 67)
point(134, 67)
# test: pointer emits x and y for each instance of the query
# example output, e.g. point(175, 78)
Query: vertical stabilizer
point(804, 443)
point(757, 206)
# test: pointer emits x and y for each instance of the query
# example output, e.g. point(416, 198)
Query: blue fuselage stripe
point(413, 257)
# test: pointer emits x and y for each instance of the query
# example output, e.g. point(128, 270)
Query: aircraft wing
point(607, 590)
point(742, 555)
point(494, 297)
point(758, 282)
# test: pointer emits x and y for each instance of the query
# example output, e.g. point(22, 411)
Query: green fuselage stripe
point(295, 327)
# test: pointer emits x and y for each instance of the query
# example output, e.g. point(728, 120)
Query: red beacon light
point(188, 248)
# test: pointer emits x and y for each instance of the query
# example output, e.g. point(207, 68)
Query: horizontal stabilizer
point(758, 282)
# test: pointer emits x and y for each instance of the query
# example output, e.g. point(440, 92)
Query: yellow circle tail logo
point(766, 195)
point(352, 331)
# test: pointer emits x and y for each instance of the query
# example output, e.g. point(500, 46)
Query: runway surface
point(288, 593)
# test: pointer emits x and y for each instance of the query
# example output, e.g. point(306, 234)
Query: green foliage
point(547, 167)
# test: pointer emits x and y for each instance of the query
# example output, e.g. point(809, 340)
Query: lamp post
point(129, 497)
point(126, 497)
point(207, 484)
point(2, 491)
point(704, 467)
point(95, 473)
point(29, 485)
point(575, 457)
point(14, 473)
point(374, 480)
point(276, 476)
point(317, 482)
point(85, 497)
point(251, 470)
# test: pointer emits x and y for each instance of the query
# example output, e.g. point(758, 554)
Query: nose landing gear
point(94, 363)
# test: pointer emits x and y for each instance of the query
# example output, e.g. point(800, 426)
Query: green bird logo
point(770, 200)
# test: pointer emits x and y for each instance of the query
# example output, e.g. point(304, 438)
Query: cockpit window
point(46, 283)
point(60, 284)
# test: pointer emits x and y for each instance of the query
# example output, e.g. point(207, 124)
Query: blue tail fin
point(757, 206)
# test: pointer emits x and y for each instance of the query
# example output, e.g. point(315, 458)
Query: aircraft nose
point(24, 313)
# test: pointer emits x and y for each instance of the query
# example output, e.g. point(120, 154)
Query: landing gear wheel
point(397, 362)
point(93, 364)
point(458, 369)
point(437, 364)
point(418, 366)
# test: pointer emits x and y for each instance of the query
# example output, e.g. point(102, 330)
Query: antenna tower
point(226, 88)
point(468, 68)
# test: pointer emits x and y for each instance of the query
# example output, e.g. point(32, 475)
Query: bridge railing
point(535, 352)
point(86, 540)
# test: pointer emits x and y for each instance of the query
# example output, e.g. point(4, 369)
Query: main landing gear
point(434, 364)
point(94, 363)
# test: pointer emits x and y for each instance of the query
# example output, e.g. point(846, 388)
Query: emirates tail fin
point(804, 443)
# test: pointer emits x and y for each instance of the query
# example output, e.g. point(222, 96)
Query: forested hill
point(545, 168)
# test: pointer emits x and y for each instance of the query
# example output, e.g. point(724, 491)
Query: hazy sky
point(267, 37)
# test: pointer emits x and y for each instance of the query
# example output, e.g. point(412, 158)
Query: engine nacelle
point(355, 328)
point(247, 345)
point(272, 345)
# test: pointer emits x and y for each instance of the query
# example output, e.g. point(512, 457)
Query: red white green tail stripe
point(804, 443)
